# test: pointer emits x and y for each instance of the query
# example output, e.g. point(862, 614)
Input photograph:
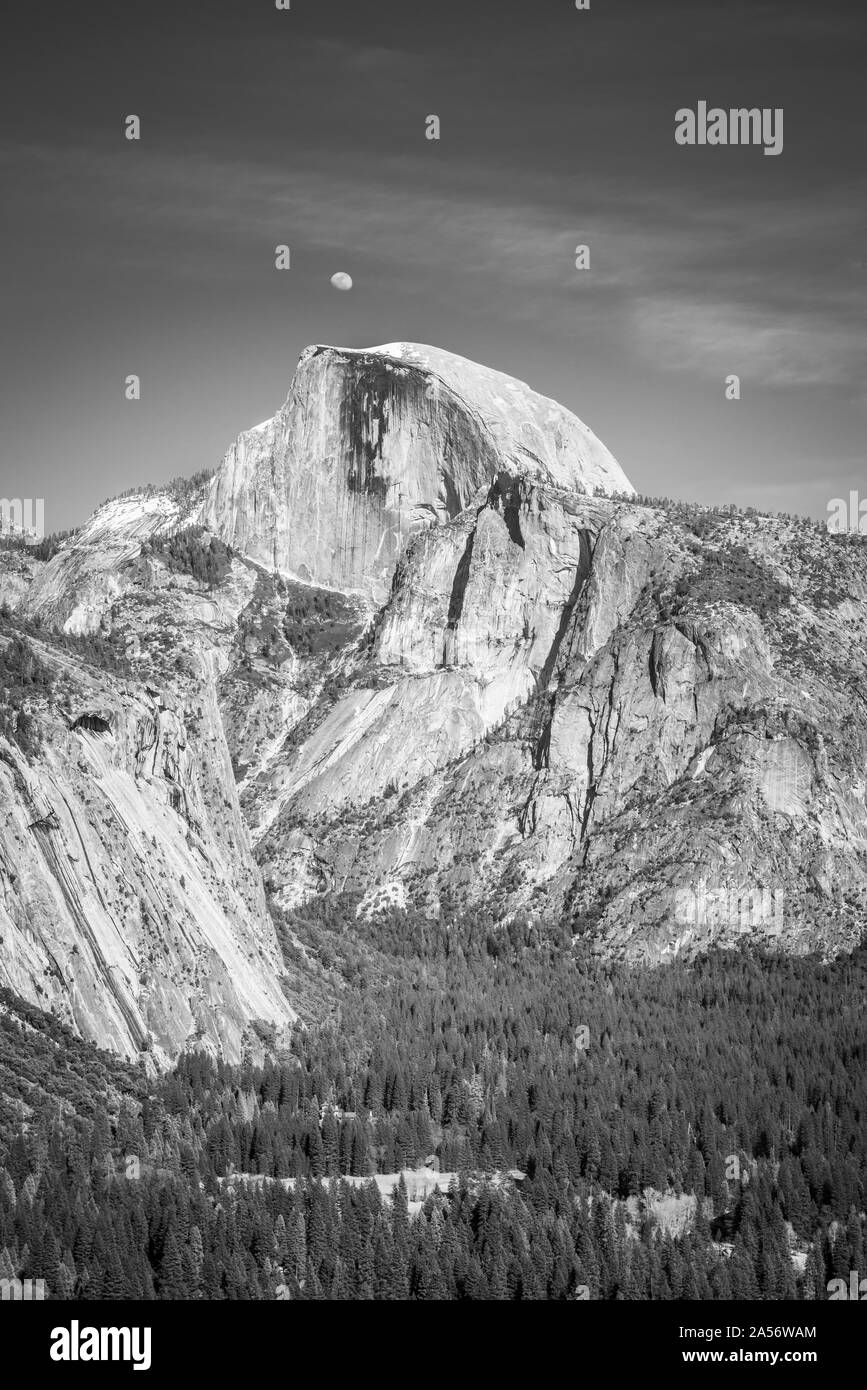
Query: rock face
point(583, 711)
point(372, 446)
point(443, 672)
point(75, 589)
point(130, 902)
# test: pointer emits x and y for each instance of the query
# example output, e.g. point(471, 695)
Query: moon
point(342, 281)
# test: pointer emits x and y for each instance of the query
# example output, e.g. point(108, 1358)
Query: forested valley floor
point(693, 1131)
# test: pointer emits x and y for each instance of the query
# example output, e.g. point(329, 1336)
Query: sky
point(306, 127)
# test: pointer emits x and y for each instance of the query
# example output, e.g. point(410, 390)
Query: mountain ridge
point(517, 693)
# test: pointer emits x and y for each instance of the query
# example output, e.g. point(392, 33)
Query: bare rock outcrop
point(375, 445)
point(583, 711)
point(130, 902)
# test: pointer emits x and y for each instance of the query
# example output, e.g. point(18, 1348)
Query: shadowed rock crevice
point(506, 491)
point(459, 585)
point(541, 751)
point(654, 658)
point(93, 723)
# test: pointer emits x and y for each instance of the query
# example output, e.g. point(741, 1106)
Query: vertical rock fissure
point(459, 584)
point(506, 490)
point(541, 754)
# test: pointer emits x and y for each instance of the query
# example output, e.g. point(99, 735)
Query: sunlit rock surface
point(372, 446)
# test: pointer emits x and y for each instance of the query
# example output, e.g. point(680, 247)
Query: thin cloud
point(725, 338)
point(687, 284)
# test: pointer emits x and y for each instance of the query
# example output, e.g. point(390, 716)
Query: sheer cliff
point(130, 902)
point(372, 446)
